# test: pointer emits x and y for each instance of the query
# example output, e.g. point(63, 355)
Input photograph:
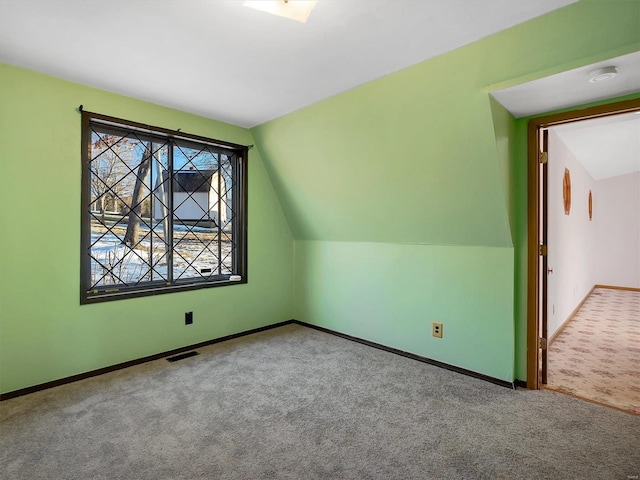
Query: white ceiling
point(607, 146)
point(571, 88)
point(221, 60)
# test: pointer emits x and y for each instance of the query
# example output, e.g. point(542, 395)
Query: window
point(161, 210)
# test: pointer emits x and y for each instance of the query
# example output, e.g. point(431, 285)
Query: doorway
point(538, 334)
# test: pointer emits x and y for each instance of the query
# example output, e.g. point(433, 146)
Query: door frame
point(534, 218)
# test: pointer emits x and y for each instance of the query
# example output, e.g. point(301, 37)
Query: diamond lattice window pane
point(122, 250)
point(161, 210)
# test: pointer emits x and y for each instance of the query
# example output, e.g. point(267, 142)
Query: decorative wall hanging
point(590, 206)
point(566, 191)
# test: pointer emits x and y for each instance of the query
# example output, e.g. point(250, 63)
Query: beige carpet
point(597, 355)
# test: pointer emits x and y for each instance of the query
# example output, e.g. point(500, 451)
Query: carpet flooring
point(597, 355)
point(296, 403)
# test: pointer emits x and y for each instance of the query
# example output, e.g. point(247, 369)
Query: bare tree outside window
point(108, 180)
point(162, 211)
point(137, 198)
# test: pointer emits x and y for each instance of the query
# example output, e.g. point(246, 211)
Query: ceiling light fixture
point(602, 74)
point(298, 10)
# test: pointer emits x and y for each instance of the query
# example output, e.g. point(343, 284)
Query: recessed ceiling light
point(602, 74)
point(298, 10)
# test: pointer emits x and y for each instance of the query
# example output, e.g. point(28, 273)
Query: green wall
point(390, 294)
point(44, 332)
point(380, 181)
point(504, 126)
point(395, 204)
point(392, 161)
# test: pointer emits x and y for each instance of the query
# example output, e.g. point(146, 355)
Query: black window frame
point(172, 137)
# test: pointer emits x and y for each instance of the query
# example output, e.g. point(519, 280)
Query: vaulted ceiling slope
point(221, 60)
point(412, 157)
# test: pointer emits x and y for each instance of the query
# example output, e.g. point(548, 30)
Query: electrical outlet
point(188, 318)
point(436, 329)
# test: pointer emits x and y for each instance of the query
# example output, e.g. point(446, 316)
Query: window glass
point(161, 212)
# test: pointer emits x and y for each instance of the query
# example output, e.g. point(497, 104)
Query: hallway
point(597, 355)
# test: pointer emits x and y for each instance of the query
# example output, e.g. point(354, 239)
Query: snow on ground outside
point(114, 263)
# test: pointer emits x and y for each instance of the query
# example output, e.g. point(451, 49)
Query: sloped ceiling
point(408, 158)
point(221, 60)
point(412, 158)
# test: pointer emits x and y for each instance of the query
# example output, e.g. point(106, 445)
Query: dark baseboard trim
point(158, 356)
point(420, 358)
point(520, 383)
point(130, 363)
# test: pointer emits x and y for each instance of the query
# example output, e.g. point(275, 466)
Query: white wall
point(192, 207)
point(617, 212)
point(571, 238)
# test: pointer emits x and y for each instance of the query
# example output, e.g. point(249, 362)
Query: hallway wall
point(617, 212)
point(572, 238)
